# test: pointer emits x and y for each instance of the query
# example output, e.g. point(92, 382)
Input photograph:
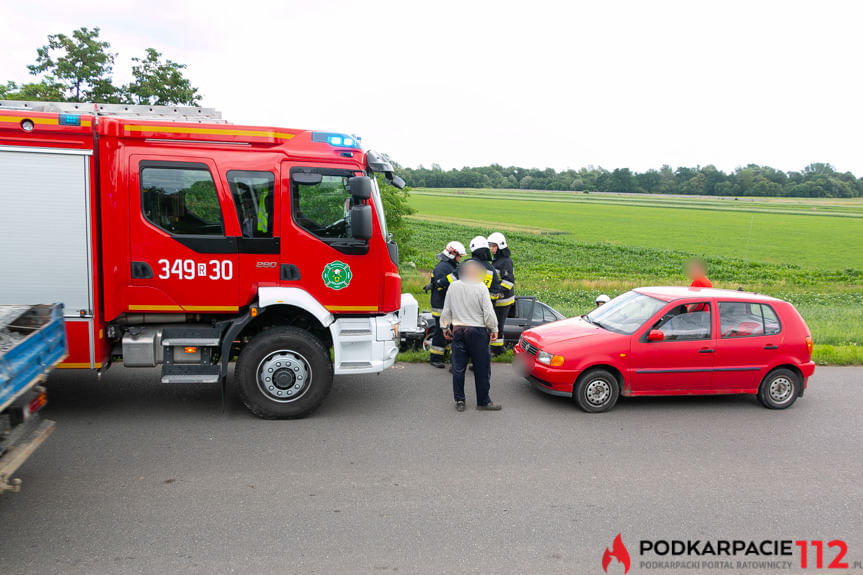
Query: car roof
point(671, 293)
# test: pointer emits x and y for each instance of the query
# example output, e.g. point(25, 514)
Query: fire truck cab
point(174, 239)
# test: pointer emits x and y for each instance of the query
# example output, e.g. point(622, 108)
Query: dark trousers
point(497, 347)
point(438, 343)
point(471, 343)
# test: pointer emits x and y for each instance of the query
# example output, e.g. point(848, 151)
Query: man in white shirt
point(469, 319)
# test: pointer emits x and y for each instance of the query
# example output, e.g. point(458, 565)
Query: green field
point(569, 247)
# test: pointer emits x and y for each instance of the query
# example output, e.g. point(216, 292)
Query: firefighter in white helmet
point(503, 264)
point(444, 274)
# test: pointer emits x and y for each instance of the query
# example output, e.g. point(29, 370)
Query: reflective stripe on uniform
point(497, 343)
point(506, 284)
point(450, 278)
point(436, 312)
point(437, 350)
point(505, 301)
point(489, 277)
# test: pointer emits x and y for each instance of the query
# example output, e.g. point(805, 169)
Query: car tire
point(283, 373)
point(596, 391)
point(779, 389)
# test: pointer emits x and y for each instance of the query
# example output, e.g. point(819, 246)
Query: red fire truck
point(175, 239)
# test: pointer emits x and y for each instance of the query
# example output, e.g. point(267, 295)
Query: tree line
point(79, 68)
point(818, 180)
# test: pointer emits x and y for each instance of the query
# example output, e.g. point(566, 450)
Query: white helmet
point(478, 242)
point(497, 238)
point(454, 249)
point(602, 298)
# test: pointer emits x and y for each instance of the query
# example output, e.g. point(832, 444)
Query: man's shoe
point(490, 406)
point(459, 406)
point(437, 364)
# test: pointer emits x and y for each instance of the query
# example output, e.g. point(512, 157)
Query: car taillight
point(38, 402)
point(809, 344)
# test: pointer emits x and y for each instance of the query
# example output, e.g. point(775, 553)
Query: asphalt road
point(386, 477)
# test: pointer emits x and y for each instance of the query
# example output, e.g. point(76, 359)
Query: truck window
point(181, 200)
point(322, 209)
point(253, 196)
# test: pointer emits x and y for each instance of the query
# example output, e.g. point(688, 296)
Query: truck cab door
point(183, 257)
point(340, 272)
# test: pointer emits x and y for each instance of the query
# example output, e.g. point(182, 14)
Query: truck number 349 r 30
point(190, 269)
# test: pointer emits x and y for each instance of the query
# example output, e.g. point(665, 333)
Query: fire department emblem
point(337, 275)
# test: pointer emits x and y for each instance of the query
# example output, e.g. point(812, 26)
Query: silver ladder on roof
point(142, 112)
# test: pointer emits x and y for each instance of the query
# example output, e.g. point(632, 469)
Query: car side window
point(253, 197)
point(746, 319)
point(547, 315)
point(686, 322)
point(181, 199)
point(537, 313)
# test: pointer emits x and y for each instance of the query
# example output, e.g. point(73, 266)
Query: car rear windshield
point(625, 313)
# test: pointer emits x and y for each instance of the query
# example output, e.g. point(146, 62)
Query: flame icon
point(619, 552)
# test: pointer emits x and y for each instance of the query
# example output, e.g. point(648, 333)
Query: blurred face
point(471, 272)
point(695, 269)
point(493, 248)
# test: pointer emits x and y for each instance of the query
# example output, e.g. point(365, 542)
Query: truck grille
point(528, 347)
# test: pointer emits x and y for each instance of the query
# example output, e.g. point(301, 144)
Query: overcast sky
point(560, 84)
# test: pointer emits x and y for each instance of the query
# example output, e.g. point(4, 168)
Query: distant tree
point(160, 82)
point(81, 64)
point(78, 68)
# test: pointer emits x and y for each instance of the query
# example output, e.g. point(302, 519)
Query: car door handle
point(771, 347)
point(706, 350)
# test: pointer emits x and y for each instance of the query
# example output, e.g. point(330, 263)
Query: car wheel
point(779, 389)
point(597, 390)
point(283, 373)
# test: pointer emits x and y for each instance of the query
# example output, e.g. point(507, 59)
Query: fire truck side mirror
point(361, 222)
point(360, 187)
point(397, 182)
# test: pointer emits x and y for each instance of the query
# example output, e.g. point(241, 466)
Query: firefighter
point(444, 274)
point(503, 264)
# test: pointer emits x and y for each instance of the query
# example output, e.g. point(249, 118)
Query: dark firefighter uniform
point(444, 274)
point(492, 277)
point(503, 264)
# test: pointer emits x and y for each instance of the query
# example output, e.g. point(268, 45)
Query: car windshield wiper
point(586, 317)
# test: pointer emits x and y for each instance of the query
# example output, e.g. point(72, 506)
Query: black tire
point(298, 367)
point(597, 390)
point(779, 389)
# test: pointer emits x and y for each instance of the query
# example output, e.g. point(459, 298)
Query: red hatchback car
point(672, 341)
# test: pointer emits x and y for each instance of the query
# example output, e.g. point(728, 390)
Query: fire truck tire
point(284, 373)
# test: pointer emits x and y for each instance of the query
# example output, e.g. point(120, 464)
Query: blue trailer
point(32, 343)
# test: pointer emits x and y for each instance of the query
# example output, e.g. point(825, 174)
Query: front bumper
point(551, 380)
point(365, 344)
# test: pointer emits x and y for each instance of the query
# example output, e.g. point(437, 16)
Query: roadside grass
point(568, 274)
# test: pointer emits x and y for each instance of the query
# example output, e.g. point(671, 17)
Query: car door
point(749, 339)
point(680, 363)
point(519, 318)
point(182, 258)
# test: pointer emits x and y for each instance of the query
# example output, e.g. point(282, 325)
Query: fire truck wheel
point(284, 373)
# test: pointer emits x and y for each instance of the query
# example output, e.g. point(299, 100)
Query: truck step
point(191, 336)
point(190, 373)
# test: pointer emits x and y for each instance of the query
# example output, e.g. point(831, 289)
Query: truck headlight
point(546, 358)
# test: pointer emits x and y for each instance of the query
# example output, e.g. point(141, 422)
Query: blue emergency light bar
point(336, 140)
point(69, 120)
